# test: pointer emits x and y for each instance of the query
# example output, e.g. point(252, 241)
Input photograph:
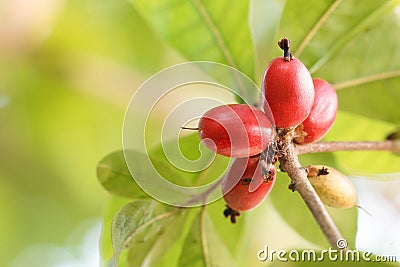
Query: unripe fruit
point(236, 130)
point(322, 115)
point(289, 92)
point(244, 186)
point(333, 188)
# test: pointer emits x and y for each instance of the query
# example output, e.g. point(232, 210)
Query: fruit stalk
point(300, 183)
point(345, 146)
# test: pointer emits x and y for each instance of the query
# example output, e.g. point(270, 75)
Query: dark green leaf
point(138, 222)
point(115, 177)
point(204, 30)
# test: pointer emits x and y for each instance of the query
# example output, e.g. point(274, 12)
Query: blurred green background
point(67, 72)
point(69, 68)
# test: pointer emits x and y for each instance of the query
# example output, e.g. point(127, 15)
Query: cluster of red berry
point(295, 100)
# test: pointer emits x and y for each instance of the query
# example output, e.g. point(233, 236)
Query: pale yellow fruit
point(333, 187)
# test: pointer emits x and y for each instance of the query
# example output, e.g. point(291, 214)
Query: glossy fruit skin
point(239, 193)
point(323, 113)
point(334, 189)
point(288, 91)
point(236, 130)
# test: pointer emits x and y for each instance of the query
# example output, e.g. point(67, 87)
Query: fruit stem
point(284, 44)
point(361, 208)
point(290, 163)
point(190, 128)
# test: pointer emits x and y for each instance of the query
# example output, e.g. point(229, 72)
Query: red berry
point(289, 92)
point(236, 130)
point(322, 115)
point(244, 187)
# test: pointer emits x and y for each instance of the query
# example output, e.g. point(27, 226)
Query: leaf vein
point(316, 27)
point(109, 168)
point(149, 222)
point(367, 79)
point(366, 22)
point(215, 32)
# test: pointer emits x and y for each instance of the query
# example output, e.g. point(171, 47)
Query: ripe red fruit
point(289, 92)
point(322, 115)
point(244, 187)
point(236, 130)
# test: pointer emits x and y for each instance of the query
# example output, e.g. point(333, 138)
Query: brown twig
point(300, 183)
point(344, 146)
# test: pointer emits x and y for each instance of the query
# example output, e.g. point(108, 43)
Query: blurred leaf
point(264, 22)
point(204, 29)
point(203, 246)
point(109, 29)
point(138, 222)
point(299, 258)
point(295, 212)
point(229, 234)
point(193, 252)
point(318, 159)
point(4, 100)
point(177, 167)
point(114, 176)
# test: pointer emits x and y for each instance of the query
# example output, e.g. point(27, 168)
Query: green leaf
point(319, 29)
point(114, 176)
point(193, 253)
point(163, 249)
point(113, 206)
point(295, 212)
point(352, 46)
point(369, 79)
point(138, 222)
point(203, 246)
point(229, 234)
point(204, 30)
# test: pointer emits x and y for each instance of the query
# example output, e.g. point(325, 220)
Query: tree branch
point(300, 183)
point(345, 146)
